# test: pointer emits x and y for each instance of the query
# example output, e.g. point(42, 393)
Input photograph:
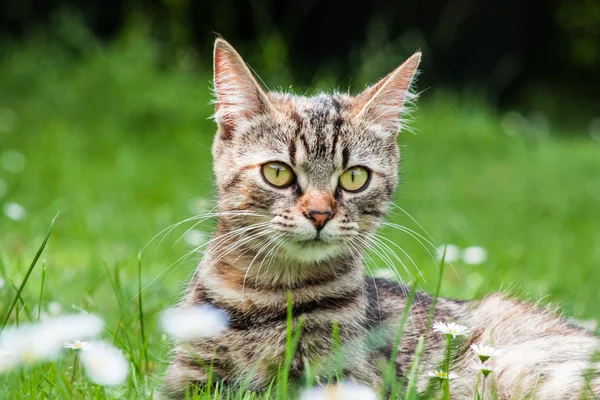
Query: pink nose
point(319, 218)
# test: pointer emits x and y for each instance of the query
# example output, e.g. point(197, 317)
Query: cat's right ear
point(238, 95)
point(384, 102)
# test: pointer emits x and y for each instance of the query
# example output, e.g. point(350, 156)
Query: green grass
point(121, 147)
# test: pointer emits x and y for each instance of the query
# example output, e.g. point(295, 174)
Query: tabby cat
point(303, 184)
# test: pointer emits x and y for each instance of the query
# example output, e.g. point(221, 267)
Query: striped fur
point(266, 248)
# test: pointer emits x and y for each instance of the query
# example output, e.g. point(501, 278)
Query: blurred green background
point(105, 116)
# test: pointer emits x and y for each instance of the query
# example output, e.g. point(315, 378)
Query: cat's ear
point(238, 94)
point(384, 102)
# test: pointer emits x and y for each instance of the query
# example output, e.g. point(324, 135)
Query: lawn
point(121, 147)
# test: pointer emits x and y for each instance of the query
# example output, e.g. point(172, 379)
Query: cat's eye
point(354, 179)
point(278, 174)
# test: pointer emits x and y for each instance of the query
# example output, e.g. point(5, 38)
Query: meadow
point(120, 146)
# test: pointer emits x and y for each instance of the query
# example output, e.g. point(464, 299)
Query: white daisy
point(14, 211)
point(105, 364)
point(442, 375)
point(474, 255)
point(195, 238)
point(484, 368)
point(28, 344)
point(67, 328)
point(77, 345)
point(450, 329)
point(484, 352)
point(452, 253)
point(200, 205)
point(188, 323)
point(55, 308)
point(7, 360)
point(34, 343)
point(386, 273)
point(340, 391)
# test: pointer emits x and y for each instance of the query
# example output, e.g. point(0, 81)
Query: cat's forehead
point(318, 110)
point(318, 136)
point(320, 130)
point(321, 135)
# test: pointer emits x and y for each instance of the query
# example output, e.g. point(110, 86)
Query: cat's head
point(314, 174)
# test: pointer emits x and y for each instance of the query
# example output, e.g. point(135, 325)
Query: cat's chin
point(311, 251)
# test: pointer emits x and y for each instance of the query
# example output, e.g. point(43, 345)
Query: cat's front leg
point(191, 370)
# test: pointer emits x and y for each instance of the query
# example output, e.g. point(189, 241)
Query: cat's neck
point(242, 280)
point(251, 267)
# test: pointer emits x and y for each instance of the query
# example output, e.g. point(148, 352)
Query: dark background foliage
point(536, 54)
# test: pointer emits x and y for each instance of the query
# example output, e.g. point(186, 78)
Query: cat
point(303, 184)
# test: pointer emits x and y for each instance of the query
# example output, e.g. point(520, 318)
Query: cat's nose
point(319, 218)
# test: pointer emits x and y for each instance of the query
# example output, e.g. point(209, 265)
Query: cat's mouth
point(316, 241)
point(317, 248)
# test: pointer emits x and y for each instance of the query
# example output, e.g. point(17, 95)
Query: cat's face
point(309, 177)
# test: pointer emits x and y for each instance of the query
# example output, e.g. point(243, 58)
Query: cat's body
point(303, 185)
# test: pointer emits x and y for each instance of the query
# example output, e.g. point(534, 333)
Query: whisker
point(377, 250)
point(414, 220)
point(182, 259)
point(254, 259)
point(233, 247)
point(416, 236)
point(202, 217)
point(359, 259)
point(381, 237)
point(385, 248)
point(223, 238)
point(272, 253)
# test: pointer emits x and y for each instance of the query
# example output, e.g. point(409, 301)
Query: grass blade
point(144, 349)
point(391, 370)
point(39, 310)
point(31, 267)
point(292, 339)
point(412, 382)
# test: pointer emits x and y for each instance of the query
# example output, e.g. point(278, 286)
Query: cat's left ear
point(384, 102)
point(239, 96)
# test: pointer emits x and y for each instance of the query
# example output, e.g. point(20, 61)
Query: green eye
point(354, 179)
point(278, 174)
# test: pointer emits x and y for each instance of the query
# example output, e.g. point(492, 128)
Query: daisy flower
point(55, 308)
point(452, 253)
point(67, 328)
point(474, 255)
point(7, 360)
point(341, 391)
point(442, 375)
point(195, 238)
point(14, 211)
point(77, 345)
point(188, 323)
point(484, 369)
point(385, 273)
point(450, 329)
point(28, 344)
point(484, 352)
point(37, 342)
point(105, 364)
